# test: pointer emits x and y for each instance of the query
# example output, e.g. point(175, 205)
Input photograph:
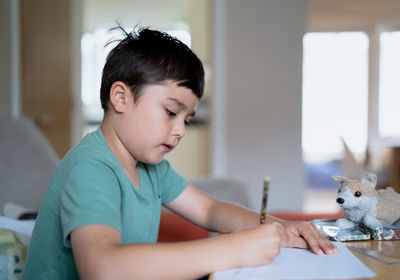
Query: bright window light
point(389, 85)
point(182, 35)
point(93, 58)
point(335, 94)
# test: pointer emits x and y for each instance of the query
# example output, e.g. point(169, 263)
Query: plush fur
point(361, 203)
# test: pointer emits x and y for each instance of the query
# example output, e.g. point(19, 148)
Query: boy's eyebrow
point(181, 105)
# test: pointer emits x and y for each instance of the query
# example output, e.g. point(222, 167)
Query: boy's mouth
point(166, 148)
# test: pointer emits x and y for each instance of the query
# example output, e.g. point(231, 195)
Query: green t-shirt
point(89, 186)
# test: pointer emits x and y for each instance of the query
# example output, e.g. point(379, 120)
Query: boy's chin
point(153, 161)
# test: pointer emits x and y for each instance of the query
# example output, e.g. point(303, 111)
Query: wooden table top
point(385, 259)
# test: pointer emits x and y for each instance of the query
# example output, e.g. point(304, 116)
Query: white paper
point(293, 264)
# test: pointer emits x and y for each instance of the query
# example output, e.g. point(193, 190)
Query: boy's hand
point(305, 235)
point(258, 245)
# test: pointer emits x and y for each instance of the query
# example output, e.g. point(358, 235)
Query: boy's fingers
point(315, 240)
point(326, 246)
point(315, 246)
point(297, 242)
point(329, 248)
point(319, 244)
point(312, 241)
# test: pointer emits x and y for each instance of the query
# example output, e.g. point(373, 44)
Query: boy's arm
point(221, 216)
point(99, 254)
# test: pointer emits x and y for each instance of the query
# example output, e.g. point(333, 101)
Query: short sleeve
point(171, 183)
point(91, 195)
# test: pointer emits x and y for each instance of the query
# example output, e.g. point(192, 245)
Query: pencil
point(264, 200)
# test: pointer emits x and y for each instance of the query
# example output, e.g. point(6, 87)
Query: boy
point(100, 215)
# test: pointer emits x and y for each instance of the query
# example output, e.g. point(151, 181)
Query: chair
point(27, 162)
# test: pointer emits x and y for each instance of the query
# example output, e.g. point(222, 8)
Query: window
point(389, 85)
point(335, 94)
point(93, 58)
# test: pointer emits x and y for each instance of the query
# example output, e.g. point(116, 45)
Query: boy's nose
point(179, 129)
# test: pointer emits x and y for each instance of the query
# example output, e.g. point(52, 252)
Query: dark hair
point(149, 57)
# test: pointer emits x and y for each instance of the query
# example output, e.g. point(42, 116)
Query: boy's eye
point(170, 113)
point(357, 194)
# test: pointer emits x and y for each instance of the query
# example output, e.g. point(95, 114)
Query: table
point(388, 251)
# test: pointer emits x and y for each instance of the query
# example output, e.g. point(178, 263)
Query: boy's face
point(155, 124)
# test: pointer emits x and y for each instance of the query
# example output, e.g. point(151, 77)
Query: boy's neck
point(128, 163)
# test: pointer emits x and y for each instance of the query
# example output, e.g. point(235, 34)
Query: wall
point(5, 50)
point(334, 15)
point(9, 57)
point(257, 104)
point(46, 62)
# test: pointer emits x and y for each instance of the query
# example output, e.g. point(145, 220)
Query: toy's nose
point(340, 200)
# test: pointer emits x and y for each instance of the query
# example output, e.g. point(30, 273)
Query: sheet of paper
point(297, 264)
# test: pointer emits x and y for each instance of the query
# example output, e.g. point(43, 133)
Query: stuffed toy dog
point(363, 204)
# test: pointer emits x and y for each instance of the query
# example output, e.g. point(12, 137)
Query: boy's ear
point(120, 95)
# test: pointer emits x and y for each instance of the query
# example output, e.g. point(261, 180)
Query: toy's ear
point(369, 179)
point(339, 179)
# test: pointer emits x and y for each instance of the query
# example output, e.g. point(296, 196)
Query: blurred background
point(297, 90)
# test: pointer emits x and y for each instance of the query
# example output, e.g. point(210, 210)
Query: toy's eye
point(357, 194)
